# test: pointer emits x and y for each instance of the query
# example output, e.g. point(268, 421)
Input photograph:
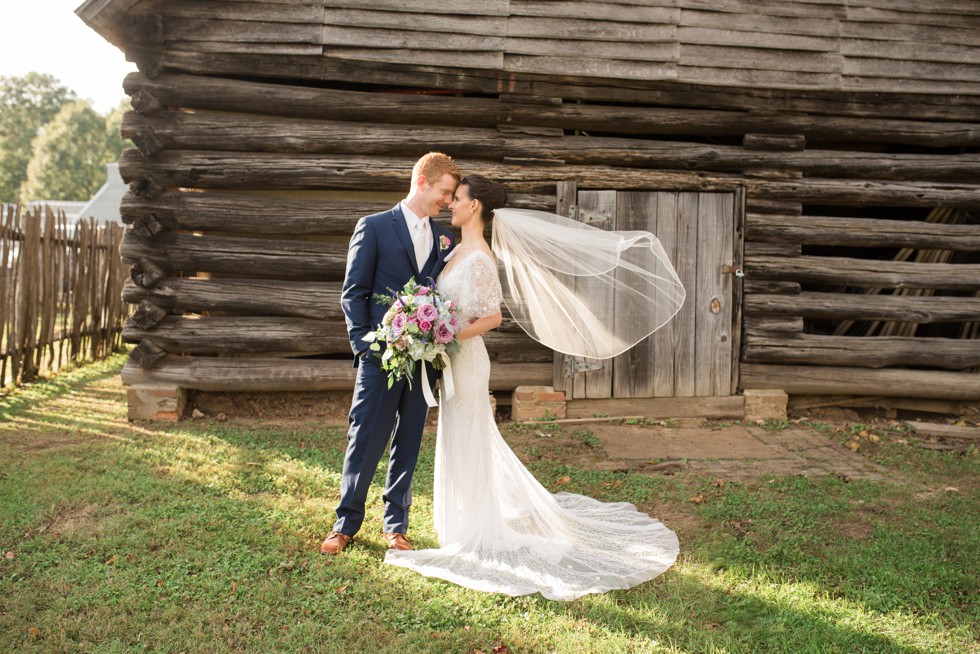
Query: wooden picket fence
point(60, 292)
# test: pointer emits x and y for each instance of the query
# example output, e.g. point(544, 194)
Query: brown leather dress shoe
point(334, 543)
point(397, 542)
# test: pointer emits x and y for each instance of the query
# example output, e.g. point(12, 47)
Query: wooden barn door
point(695, 354)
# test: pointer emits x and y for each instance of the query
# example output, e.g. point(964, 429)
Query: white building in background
point(104, 205)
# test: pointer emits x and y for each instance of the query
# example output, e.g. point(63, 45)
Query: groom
point(386, 250)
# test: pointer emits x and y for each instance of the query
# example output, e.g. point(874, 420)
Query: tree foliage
point(26, 104)
point(70, 154)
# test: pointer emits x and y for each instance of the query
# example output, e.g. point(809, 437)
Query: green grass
point(202, 537)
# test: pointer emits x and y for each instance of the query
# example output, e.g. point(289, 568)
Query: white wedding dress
point(499, 529)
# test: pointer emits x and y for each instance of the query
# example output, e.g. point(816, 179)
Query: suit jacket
point(381, 259)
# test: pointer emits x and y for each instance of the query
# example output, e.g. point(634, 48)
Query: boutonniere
point(444, 243)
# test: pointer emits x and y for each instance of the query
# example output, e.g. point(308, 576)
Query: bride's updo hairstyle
point(490, 194)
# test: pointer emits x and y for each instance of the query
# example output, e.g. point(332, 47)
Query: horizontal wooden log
point(271, 214)
point(287, 336)
point(899, 103)
point(758, 204)
point(859, 306)
point(219, 131)
point(861, 232)
point(174, 130)
point(229, 170)
point(838, 380)
point(282, 375)
point(767, 286)
point(318, 300)
point(243, 335)
point(220, 94)
point(247, 257)
point(238, 96)
point(755, 325)
point(861, 351)
point(866, 272)
point(861, 192)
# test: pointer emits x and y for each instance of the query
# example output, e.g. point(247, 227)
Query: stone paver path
point(733, 451)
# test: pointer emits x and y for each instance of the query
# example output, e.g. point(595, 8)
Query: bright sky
point(47, 37)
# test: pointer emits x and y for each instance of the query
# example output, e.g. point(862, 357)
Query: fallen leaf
point(10, 556)
point(112, 560)
point(874, 438)
point(611, 484)
point(34, 632)
point(563, 480)
point(951, 489)
point(864, 433)
point(234, 587)
point(853, 446)
point(501, 649)
point(718, 483)
point(340, 589)
point(697, 499)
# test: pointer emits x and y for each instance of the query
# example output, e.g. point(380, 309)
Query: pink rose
point(444, 333)
point(454, 322)
point(398, 324)
point(425, 325)
point(427, 312)
point(422, 290)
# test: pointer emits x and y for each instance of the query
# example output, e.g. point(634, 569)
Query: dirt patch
point(328, 406)
point(68, 520)
point(30, 441)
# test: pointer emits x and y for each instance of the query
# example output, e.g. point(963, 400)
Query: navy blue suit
point(381, 257)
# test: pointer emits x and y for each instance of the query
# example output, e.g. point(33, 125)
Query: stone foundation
point(156, 402)
point(765, 404)
point(535, 402)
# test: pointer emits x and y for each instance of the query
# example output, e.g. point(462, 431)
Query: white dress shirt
point(421, 235)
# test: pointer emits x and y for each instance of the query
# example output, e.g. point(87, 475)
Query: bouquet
point(420, 325)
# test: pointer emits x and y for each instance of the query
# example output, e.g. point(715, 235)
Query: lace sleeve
point(481, 294)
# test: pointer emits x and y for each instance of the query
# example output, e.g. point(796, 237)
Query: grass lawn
point(202, 537)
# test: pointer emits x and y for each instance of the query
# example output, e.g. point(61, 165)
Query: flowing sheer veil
point(581, 290)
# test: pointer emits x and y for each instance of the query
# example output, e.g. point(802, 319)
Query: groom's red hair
point(433, 166)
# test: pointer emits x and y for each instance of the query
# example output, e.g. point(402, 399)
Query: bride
point(499, 529)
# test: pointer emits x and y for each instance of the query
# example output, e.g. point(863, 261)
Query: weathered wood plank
point(597, 384)
point(657, 52)
point(665, 219)
point(712, 363)
point(176, 28)
point(686, 265)
point(611, 68)
point(441, 24)
point(642, 12)
point(766, 325)
point(862, 232)
point(459, 7)
point(909, 31)
point(274, 374)
point(966, 74)
point(283, 12)
point(865, 272)
point(862, 351)
point(907, 52)
point(572, 29)
point(410, 38)
point(724, 57)
point(633, 371)
point(722, 36)
point(760, 23)
point(859, 306)
point(837, 380)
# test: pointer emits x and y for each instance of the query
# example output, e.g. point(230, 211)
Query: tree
point(26, 104)
point(70, 154)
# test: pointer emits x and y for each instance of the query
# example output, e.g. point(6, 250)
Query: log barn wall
point(265, 129)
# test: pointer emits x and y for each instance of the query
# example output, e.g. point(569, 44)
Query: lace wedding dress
point(499, 529)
